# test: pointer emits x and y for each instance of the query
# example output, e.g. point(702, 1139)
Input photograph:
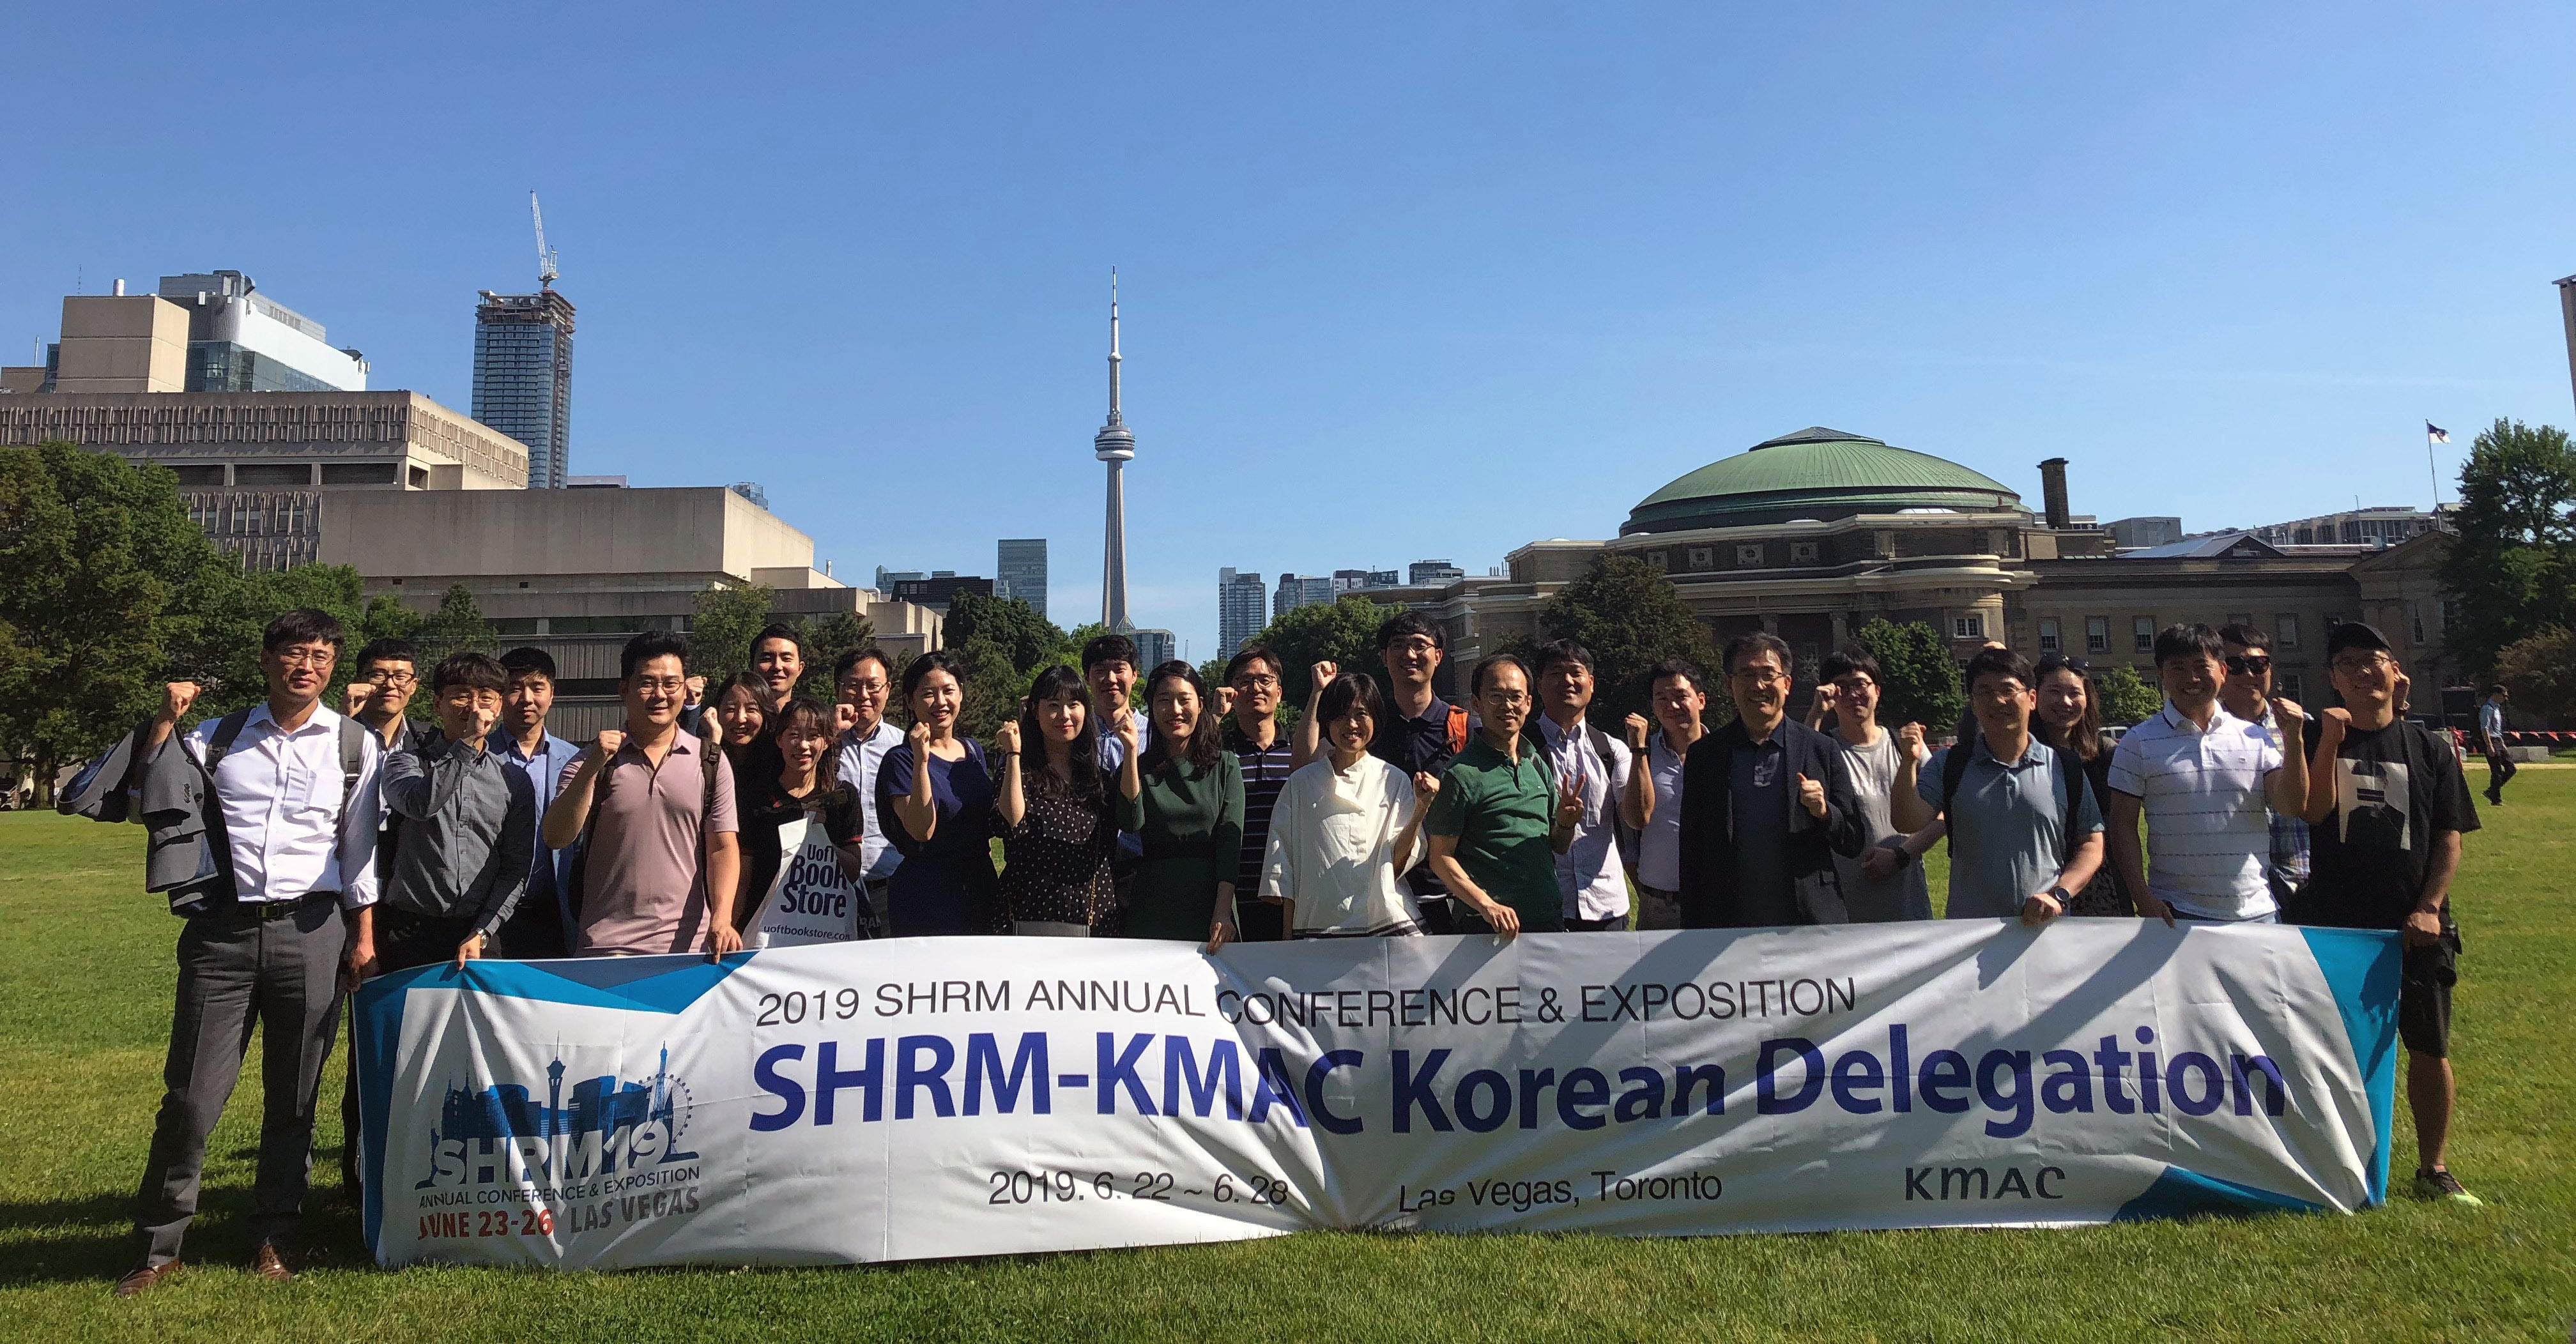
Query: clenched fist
point(1323, 674)
point(1637, 728)
point(1425, 788)
point(609, 742)
point(1007, 741)
point(176, 696)
point(1811, 796)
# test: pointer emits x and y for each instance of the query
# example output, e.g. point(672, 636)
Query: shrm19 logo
point(503, 1135)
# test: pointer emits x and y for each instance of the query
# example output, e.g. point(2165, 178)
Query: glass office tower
point(523, 377)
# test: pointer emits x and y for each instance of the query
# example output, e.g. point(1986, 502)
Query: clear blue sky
point(1429, 284)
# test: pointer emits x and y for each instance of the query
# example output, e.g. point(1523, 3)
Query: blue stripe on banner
point(667, 984)
point(2179, 1193)
point(377, 1027)
point(2362, 967)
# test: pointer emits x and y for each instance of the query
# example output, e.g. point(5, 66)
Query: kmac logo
point(503, 1135)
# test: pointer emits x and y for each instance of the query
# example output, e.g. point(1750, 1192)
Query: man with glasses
point(1250, 701)
point(271, 944)
point(1884, 884)
point(2388, 803)
point(2247, 694)
point(1766, 805)
point(1420, 734)
point(2206, 782)
point(862, 682)
point(1501, 819)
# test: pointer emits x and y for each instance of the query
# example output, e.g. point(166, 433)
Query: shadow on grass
point(92, 1237)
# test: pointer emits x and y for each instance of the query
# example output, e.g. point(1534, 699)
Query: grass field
point(85, 986)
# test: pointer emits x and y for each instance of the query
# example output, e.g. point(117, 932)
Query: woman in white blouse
point(1344, 826)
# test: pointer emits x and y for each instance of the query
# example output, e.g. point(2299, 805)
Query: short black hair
point(937, 660)
point(525, 659)
point(1848, 659)
point(1556, 651)
point(648, 646)
point(1476, 679)
point(2245, 637)
point(1254, 653)
point(1748, 644)
point(1109, 648)
point(777, 630)
point(481, 671)
point(1683, 668)
point(851, 658)
point(304, 625)
point(388, 650)
point(2498, 689)
point(1348, 690)
point(2191, 640)
point(1999, 663)
point(1405, 625)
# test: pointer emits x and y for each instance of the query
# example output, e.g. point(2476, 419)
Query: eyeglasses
point(308, 657)
point(1252, 682)
point(1759, 676)
point(667, 684)
point(2249, 664)
point(392, 679)
point(2352, 667)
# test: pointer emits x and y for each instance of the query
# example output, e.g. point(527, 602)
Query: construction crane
point(545, 255)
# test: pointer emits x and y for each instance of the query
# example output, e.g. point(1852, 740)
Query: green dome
point(1815, 473)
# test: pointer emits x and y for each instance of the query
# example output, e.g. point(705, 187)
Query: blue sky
point(1398, 284)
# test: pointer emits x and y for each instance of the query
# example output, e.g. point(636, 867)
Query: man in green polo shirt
point(1500, 819)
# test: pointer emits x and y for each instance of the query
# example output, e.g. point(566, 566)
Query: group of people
point(1385, 811)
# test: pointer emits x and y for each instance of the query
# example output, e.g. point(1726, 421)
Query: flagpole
point(2430, 469)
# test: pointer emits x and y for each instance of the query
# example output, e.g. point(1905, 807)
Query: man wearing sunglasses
point(2247, 694)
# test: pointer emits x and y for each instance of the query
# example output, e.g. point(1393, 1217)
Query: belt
point(285, 909)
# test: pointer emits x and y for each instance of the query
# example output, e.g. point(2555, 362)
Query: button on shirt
point(644, 881)
point(860, 757)
point(2209, 835)
point(280, 793)
point(1588, 872)
point(2008, 826)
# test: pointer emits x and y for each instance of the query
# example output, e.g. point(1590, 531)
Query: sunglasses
point(2249, 664)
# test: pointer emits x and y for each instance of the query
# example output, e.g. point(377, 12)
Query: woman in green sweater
point(1193, 830)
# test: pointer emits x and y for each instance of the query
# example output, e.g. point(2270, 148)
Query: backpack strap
point(2070, 769)
point(1457, 729)
point(1954, 768)
point(220, 745)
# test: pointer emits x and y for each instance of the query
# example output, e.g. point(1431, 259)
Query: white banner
point(968, 1096)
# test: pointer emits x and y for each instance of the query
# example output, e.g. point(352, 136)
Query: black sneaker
point(2440, 1184)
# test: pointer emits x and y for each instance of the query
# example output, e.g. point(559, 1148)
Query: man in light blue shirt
point(2024, 830)
point(541, 925)
point(2500, 765)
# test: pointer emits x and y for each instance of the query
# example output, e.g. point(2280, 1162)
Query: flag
point(2436, 433)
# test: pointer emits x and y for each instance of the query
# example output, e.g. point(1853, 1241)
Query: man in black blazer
point(1766, 803)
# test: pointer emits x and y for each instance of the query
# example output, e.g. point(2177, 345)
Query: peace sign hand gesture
point(1569, 803)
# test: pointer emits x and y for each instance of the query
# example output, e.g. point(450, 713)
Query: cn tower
point(1114, 445)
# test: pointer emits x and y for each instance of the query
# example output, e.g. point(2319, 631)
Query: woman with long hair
point(801, 829)
point(935, 800)
point(737, 713)
point(2070, 720)
point(1193, 826)
point(1059, 817)
point(1345, 824)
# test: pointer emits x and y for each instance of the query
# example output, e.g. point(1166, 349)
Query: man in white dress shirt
point(1590, 871)
point(862, 680)
point(293, 806)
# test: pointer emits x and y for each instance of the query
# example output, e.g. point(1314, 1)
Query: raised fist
point(697, 688)
point(358, 694)
point(845, 716)
point(1425, 788)
point(1637, 727)
point(610, 740)
point(176, 696)
point(919, 737)
point(1224, 699)
point(2289, 715)
point(1122, 724)
point(1008, 739)
point(1811, 796)
point(1909, 739)
point(1323, 673)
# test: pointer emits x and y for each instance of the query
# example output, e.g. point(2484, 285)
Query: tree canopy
point(721, 627)
point(1343, 632)
point(2123, 696)
point(2512, 570)
point(2540, 670)
point(1631, 618)
point(1028, 639)
point(1922, 679)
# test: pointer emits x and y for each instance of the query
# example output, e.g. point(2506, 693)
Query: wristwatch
point(1903, 857)
point(2058, 894)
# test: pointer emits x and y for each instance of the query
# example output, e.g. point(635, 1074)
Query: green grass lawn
point(85, 986)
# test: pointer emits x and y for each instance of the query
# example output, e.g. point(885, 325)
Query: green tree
point(1028, 638)
point(1343, 632)
point(826, 639)
point(106, 590)
point(1631, 618)
point(993, 688)
point(721, 626)
point(1922, 682)
point(2125, 697)
point(2540, 670)
point(457, 627)
point(227, 659)
point(2512, 569)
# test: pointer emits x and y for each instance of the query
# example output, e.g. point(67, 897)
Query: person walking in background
point(1766, 805)
point(862, 682)
point(1883, 884)
point(1500, 818)
point(2025, 828)
point(935, 797)
point(289, 791)
point(1059, 813)
point(541, 925)
point(653, 808)
point(1345, 827)
point(470, 823)
point(1193, 828)
point(800, 810)
point(1601, 770)
point(2388, 803)
point(2247, 694)
point(2070, 720)
point(2500, 766)
point(1267, 757)
point(1679, 695)
point(2203, 779)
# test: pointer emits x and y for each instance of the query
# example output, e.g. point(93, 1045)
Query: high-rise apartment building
point(1020, 570)
point(1294, 592)
point(1240, 606)
point(523, 377)
point(1431, 573)
point(750, 490)
point(1153, 648)
point(938, 590)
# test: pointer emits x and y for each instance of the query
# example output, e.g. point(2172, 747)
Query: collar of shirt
point(884, 732)
point(2033, 752)
point(1239, 741)
point(2180, 722)
point(507, 746)
point(1437, 712)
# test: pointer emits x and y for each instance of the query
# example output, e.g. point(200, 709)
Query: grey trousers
point(236, 970)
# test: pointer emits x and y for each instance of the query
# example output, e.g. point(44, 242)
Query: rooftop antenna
point(545, 255)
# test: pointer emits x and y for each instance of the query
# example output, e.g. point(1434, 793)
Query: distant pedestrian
point(1345, 826)
point(1766, 805)
point(2491, 741)
point(1679, 696)
point(1059, 813)
point(1193, 827)
point(1501, 817)
point(935, 798)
